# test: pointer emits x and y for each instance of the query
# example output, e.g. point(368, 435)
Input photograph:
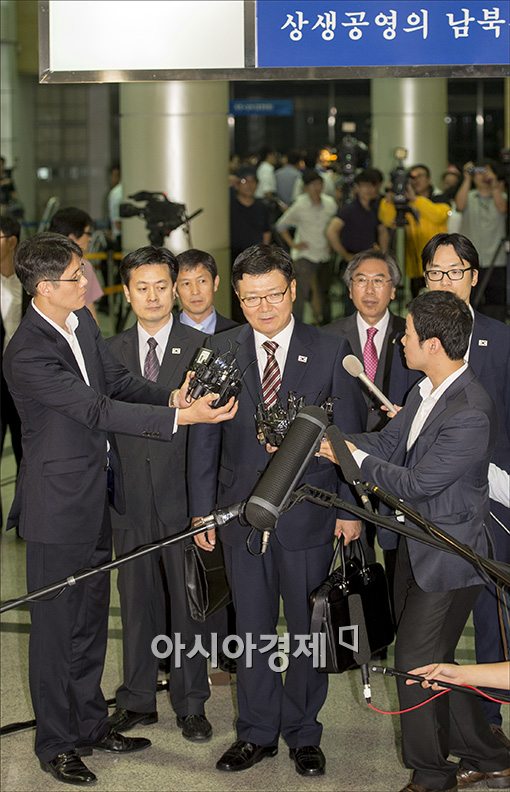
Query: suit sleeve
point(46, 380)
point(463, 437)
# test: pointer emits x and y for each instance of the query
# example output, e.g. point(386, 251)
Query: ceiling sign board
point(132, 41)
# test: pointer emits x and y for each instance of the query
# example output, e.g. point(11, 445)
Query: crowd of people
point(113, 454)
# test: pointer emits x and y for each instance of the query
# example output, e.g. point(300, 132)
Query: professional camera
point(161, 215)
point(352, 156)
point(399, 178)
point(215, 374)
point(272, 423)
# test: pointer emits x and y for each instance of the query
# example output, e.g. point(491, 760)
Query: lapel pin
point(483, 342)
point(302, 359)
point(176, 350)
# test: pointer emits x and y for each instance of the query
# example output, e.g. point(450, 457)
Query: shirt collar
point(72, 322)
point(425, 385)
point(381, 325)
point(282, 338)
point(161, 336)
point(207, 326)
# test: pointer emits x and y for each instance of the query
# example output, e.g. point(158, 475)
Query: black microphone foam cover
point(273, 490)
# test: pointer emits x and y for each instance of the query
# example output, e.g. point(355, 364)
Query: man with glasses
point(277, 354)
point(451, 263)
point(429, 216)
point(71, 393)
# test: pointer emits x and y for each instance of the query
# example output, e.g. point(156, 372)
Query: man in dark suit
point(450, 263)
point(374, 332)
point(277, 354)
point(197, 283)
point(435, 455)
point(70, 393)
point(156, 506)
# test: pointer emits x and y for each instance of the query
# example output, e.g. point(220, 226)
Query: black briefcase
point(207, 588)
point(353, 586)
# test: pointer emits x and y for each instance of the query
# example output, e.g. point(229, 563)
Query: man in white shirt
point(310, 215)
point(266, 187)
point(435, 455)
point(71, 393)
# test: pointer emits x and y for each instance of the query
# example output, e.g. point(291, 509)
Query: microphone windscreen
point(273, 490)
point(357, 617)
point(346, 461)
point(352, 365)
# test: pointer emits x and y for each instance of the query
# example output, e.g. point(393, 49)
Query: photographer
point(482, 200)
point(426, 214)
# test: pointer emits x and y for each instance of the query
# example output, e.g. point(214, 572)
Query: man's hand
point(396, 409)
point(192, 411)
point(205, 540)
point(326, 451)
point(352, 448)
point(350, 529)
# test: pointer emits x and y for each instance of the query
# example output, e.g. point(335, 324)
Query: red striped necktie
point(271, 379)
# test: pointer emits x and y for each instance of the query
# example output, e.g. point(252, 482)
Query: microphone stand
point(60, 585)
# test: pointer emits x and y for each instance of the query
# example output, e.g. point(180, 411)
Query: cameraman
point(426, 214)
point(482, 201)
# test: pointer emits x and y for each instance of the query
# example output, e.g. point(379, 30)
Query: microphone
point(354, 367)
point(220, 517)
point(363, 655)
point(347, 463)
point(274, 489)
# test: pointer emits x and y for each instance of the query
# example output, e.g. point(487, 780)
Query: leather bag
point(207, 588)
point(331, 614)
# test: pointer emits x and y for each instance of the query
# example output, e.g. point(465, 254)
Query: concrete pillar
point(174, 139)
point(410, 112)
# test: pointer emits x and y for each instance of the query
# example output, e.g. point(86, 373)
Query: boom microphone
point(272, 492)
point(354, 367)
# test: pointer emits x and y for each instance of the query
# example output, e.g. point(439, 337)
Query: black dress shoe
point(309, 760)
point(69, 768)
point(113, 742)
point(195, 727)
point(122, 720)
point(241, 755)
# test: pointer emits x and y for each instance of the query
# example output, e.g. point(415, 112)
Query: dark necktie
point(271, 379)
point(151, 365)
point(370, 358)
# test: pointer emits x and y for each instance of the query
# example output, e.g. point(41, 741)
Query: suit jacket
point(224, 323)
point(61, 489)
point(155, 473)
point(225, 461)
point(392, 376)
point(443, 475)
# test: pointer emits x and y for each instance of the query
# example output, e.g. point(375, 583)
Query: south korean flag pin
point(483, 342)
point(302, 359)
point(176, 350)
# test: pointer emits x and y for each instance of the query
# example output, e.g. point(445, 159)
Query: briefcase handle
point(355, 547)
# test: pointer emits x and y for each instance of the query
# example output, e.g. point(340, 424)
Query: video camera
point(161, 215)
point(352, 156)
point(399, 178)
point(215, 374)
point(272, 423)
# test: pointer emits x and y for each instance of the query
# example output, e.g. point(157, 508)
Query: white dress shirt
point(499, 485)
point(282, 339)
point(11, 304)
point(161, 337)
point(72, 323)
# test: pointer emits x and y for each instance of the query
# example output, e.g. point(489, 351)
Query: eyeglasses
point(273, 299)
point(453, 274)
point(78, 275)
point(361, 282)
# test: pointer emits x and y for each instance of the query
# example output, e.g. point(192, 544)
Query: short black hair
point(423, 167)
point(463, 247)
point(368, 176)
point(294, 157)
point(191, 259)
point(443, 315)
point(259, 259)
point(44, 256)
point(247, 171)
point(70, 221)
point(10, 227)
point(147, 255)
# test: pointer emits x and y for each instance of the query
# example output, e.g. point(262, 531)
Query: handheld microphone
point(354, 367)
point(272, 492)
point(348, 465)
point(363, 655)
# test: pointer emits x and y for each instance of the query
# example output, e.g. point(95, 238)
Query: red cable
point(427, 701)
